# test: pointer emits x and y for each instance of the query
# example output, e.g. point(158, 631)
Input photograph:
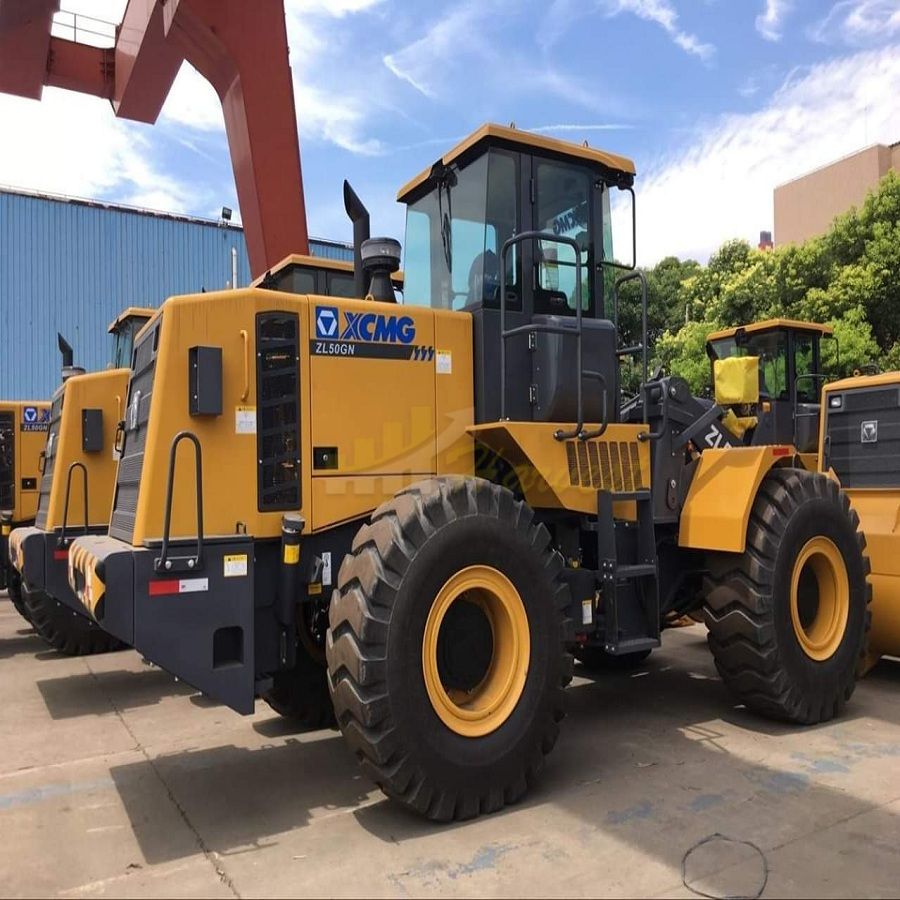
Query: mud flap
point(198, 625)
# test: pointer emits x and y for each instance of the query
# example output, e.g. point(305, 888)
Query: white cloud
point(326, 111)
point(859, 22)
point(769, 21)
point(721, 187)
point(72, 144)
point(455, 34)
point(664, 14)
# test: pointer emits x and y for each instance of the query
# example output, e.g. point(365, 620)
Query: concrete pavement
point(115, 780)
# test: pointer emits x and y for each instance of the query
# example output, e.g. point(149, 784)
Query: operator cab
point(472, 244)
point(123, 330)
point(298, 274)
point(786, 401)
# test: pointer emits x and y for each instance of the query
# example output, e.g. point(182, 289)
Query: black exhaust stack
point(68, 358)
point(359, 216)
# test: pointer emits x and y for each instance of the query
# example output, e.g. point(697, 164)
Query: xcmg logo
point(363, 326)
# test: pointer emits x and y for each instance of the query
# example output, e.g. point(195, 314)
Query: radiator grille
point(137, 418)
point(605, 465)
point(50, 453)
point(863, 438)
point(278, 403)
point(7, 460)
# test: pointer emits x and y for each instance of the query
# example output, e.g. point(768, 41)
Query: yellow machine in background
point(411, 518)
point(860, 447)
point(23, 433)
point(78, 473)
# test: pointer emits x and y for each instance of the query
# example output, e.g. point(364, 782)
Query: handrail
point(65, 521)
point(246, 340)
point(795, 407)
point(663, 398)
point(604, 421)
point(163, 563)
point(505, 333)
point(637, 275)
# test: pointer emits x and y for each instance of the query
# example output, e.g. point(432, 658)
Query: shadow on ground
point(641, 757)
point(94, 693)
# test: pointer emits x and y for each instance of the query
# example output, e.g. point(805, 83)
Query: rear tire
point(788, 619)
point(301, 694)
point(448, 716)
point(596, 659)
point(65, 630)
point(14, 589)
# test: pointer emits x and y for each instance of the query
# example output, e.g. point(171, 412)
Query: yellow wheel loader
point(23, 433)
point(78, 474)
point(417, 514)
point(79, 467)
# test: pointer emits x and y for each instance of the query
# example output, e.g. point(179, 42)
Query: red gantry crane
point(241, 48)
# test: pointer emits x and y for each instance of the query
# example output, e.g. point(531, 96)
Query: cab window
point(771, 348)
point(563, 208)
point(805, 364)
point(455, 234)
point(339, 285)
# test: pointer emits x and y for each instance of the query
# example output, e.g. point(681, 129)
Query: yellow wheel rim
point(820, 598)
point(493, 689)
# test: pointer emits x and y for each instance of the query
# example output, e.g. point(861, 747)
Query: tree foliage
point(848, 278)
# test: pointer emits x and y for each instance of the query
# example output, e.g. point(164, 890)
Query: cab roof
point(771, 325)
point(311, 262)
point(130, 312)
point(507, 136)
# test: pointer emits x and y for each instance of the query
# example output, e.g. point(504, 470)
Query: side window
point(563, 208)
point(303, 281)
point(804, 364)
point(339, 285)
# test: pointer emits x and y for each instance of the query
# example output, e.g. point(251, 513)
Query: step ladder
point(634, 582)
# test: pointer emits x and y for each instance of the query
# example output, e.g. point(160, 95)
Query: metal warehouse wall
point(70, 266)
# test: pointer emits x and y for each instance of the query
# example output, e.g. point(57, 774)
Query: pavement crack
point(209, 854)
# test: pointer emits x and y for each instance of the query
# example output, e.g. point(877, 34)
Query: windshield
point(771, 348)
point(123, 341)
point(454, 236)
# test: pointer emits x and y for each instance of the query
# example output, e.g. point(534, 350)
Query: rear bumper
point(42, 564)
point(199, 625)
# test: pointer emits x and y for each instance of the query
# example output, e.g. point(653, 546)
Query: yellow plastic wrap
point(739, 425)
point(736, 380)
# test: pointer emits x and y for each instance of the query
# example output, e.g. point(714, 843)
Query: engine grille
point(7, 460)
point(50, 453)
point(863, 438)
point(137, 417)
point(605, 465)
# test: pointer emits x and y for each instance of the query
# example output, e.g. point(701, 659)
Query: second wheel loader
point(300, 506)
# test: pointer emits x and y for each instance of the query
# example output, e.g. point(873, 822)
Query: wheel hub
point(820, 598)
point(476, 650)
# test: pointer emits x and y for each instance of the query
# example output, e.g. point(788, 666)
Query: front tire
point(788, 619)
point(446, 652)
point(66, 631)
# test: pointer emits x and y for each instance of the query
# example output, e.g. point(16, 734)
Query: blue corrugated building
point(71, 265)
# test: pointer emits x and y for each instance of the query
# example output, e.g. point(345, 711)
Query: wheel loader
point(79, 467)
point(78, 463)
point(413, 516)
point(23, 431)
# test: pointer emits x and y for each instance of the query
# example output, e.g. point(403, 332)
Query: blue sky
point(716, 100)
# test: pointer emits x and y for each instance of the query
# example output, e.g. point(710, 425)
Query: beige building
point(806, 206)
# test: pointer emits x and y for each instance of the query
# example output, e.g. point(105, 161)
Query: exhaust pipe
point(68, 365)
point(359, 216)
